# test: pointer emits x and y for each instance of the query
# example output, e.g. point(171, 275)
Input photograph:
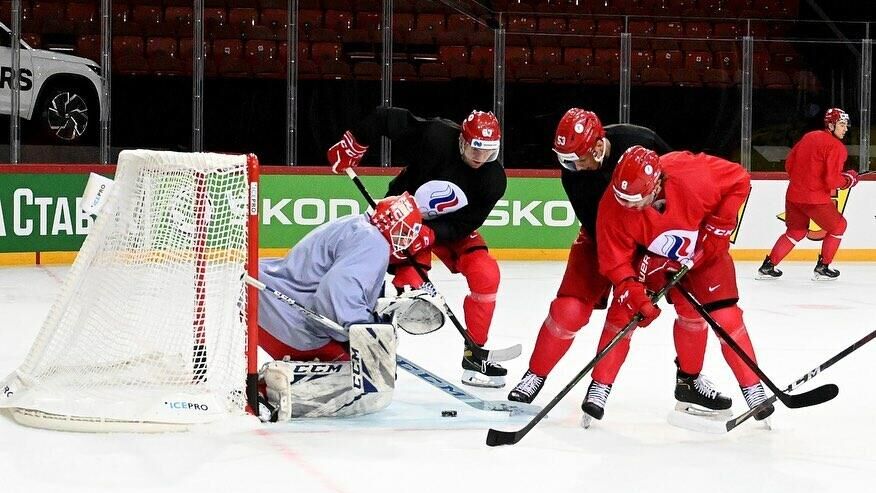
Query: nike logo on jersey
point(713, 288)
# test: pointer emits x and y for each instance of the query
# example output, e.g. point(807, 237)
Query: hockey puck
point(448, 414)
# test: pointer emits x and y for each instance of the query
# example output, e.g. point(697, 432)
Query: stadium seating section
point(685, 43)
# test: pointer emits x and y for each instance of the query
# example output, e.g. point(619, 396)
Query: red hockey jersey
point(814, 166)
point(696, 187)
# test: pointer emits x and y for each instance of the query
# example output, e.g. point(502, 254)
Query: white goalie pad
point(363, 385)
point(415, 312)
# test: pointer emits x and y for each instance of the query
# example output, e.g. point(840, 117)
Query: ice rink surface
point(795, 325)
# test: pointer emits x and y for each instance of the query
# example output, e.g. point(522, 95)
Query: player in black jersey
point(453, 172)
point(588, 154)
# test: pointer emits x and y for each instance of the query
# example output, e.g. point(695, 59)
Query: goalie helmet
point(480, 132)
point(834, 115)
point(399, 220)
point(636, 176)
point(576, 136)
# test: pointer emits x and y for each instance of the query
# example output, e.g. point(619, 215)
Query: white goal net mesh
point(151, 322)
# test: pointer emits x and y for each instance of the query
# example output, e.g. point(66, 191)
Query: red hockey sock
point(478, 309)
point(829, 246)
point(566, 317)
point(607, 369)
point(781, 249)
point(730, 319)
point(690, 343)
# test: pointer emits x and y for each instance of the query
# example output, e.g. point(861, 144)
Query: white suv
point(60, 93)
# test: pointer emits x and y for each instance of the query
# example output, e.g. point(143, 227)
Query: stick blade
point(813, 397)
point(498, 437)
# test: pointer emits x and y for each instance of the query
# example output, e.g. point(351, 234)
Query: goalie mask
point(399, 220)
point(577, 136)
point(636, 179)
point(480, 138)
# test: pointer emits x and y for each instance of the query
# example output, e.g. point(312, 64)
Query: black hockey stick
point(498, 437)
point(733, 423)
point(504, 354)
point(514, 408)
point(811, 398)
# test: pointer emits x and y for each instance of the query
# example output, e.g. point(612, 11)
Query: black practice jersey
point(585, 188)
point(454, 197)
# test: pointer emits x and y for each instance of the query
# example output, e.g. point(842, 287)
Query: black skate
point(767, 270)
point(594, 404)
point(481, 372)
point(823, 272)
point(754, 395)
point(697, 395)
point(528, 387)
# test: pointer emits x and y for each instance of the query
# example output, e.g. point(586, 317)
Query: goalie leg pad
point(363, 385)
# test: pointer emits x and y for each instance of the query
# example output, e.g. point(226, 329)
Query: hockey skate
point(698, 396)
point(754, 395)
point(767, 270)
point(594, 404)
point(823, 272)
point(528, 387)
point(481, 372)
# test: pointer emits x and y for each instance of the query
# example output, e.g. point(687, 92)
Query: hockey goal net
point(153, 329)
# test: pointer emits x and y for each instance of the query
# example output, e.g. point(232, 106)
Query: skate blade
point(475, 379)
point(818, 277)
point(586, 421)
point(703, 412)
point(765, 277)
point(701, 424)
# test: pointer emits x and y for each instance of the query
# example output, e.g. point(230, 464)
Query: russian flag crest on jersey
point(675, 244)
point(439, 197)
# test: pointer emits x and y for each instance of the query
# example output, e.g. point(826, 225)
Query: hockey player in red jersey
point(679, 207)
point(588, 153)
point(453, 172)
point(815, 170)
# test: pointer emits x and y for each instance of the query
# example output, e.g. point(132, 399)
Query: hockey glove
point(345, 154)
point(632, 297)
point(714, 238)
point(851, 177)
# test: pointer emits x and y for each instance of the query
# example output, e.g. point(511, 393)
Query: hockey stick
point(448, 388)
point(811, 398)
point(504, 354)
point(513, 407)
point(733, 423)
point(498, 437)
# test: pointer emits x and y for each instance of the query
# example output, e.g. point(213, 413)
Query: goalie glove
point(415, 311)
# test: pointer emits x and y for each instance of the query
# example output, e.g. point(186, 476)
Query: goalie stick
point(733, 423)
point(811, 398)
point(504, 354)
point(498, 437)
point(409, 366)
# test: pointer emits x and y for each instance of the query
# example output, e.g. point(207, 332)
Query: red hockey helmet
point(399, 220)
point(636, 176)
point(480, 132)
point(576, 136)
point(834, 115)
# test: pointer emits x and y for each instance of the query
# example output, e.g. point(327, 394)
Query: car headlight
point(95, 69)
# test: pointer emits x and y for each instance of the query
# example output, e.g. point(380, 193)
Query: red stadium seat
point(434, 72)
point(403, 71)
point(776, 79)
point(685, 77)
point(368, 20)
point(578, 57)
point(521, 23)
point(40, 13)
point(668, 59)
point(727, 60)
point(546, 55)
point(609, 27)
point(335, 70)
point(481, 55)
point(641, 28)
point(147, 16)
point(529, 73)
point(606, 57)
point(655, 77)
point(309, 19)
point(698, 60)
point(727, 30)
point(84, 16)
point(715, 77)
point(584, 26)
point(697, 29)
point(561, 74)
point(338, 20)
point(453, 54)
point(517, 55)
point(127, 45)
point(595, 75)
point(465, 71)
point(640, 59)
point(156, 45)
point(214, 16)
point(431, 22)
point(88, 46)
point(551, 25)
point(130, 64)
point(274, 18)
point(403, 23)
point(325, 51)
point(669, 29)
point(461, 23)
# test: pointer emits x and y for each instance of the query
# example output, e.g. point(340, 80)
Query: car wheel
point(66, 115)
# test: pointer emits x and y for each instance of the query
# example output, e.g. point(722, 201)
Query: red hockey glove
point(714, 238)
point(851, 177)
point(345, 154)
point(632, 296)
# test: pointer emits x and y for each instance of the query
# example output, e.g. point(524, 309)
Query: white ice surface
point(795, 325)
